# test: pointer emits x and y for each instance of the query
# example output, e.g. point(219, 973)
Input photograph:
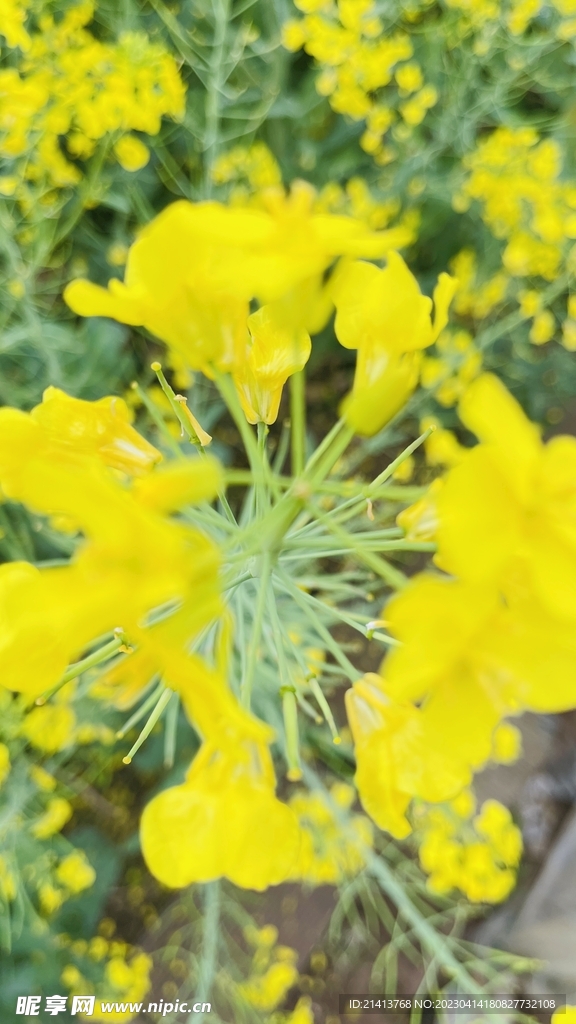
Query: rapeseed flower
point(194, 270)
point(383, 314)
point(69, 85)
point(515, 497)
point(329, 852)
point(273, 353)
point(224, 820)
point(12, 22)
point(478, 856)
point(58, 812)
point(357, 60)
point(75, 872)
point(534, 213)
point(133, 557)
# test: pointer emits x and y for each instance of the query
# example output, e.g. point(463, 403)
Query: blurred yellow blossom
point(330, 851)
point(70, 85)
point(57, 813)
point(194, 270)
point(12, 23)
point(479, 857)
point(75, 872)
point(273, 353)
point(131, 153)
point(357, 59)
point(224, 820)
point(535, 213)
point(49, 728)
point(51, 898)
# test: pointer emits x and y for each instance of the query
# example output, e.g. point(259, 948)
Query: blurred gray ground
point(540, 919)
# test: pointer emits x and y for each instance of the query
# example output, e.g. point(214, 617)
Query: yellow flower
point(543, 328)
point(132, 559)
point(566, 1015)
point(131, 153)
point(103, 428)
point(267, 991)
point(441, 446)
point(12, 20)
point(194, 269)
point(223, 821)
point(383, 314)
point(477, 857)
point(42, 778)
point(420, 520)
point(75, 872)
point(57, 813)
point(506, 744)
point(50, 727)
point(378, 729)
point(511, 503)
point(70, 85)
point(51, 898)
point(273, 354)
point(330, 853)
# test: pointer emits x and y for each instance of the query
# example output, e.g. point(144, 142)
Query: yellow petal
point(87, 299)
point(179, 484)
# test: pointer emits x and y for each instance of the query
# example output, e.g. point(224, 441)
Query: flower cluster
point(254, 166)
point(488, 641)
point(193, 272)
point(477, 298)
point(273, 970)
point(329, 854)
point(74, 459)
point(535, 213)
point(358, 59)
point(485, 16)
point(126, 976)
point(517, 15)
point(12, 23)
point(68, 85)
point(252, 170)
point(477, 856)
point(37, 865)
point(451, 369)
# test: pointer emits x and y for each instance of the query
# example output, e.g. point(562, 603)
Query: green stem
point(157, 419)
point(431, 939)
point(301, 598)
point(261, 489)
point(140, 712)
point(387, 572)
point(214, 88)
point(391, 469)
point(208, 961)
point(227, 389)
point(298, 420)
point(255, 636)
point(103, 654)
point(330, 457)
point(157, 712)
point(290, 715)
point(171, 731)
point(325, 708)
point(319, 452)
point(187, 428)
